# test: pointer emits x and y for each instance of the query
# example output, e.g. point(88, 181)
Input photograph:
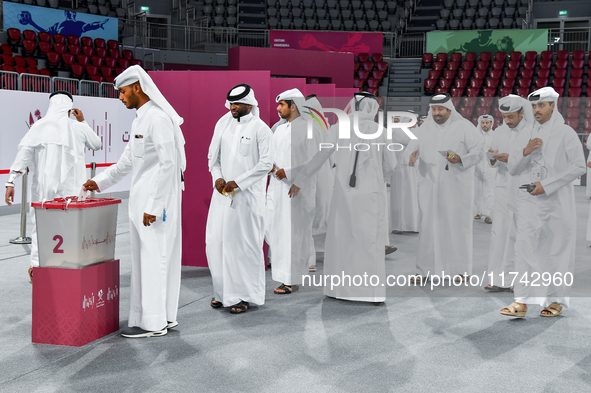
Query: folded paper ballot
point(490, 155)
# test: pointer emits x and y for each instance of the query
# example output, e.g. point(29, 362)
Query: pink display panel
point(327, 41)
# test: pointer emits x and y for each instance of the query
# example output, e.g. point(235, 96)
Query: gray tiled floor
point(305, 342)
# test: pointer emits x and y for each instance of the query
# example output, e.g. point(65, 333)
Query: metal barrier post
point(92, 175)
point(23, 239)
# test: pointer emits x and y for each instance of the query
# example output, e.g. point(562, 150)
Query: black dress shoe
point(138, 332)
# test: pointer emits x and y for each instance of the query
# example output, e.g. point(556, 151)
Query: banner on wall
point(28, 17)
point(327, 41)
point(108, 117)
point(487, 41)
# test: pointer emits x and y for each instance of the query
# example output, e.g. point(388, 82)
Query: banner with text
point(327, 41)
point(487, 41)
point(28, 17)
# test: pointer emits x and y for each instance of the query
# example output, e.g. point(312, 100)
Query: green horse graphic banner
point(487, 41)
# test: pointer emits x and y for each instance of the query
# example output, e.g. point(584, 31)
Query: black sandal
point(215, 303)
point(390, 249)
point(286, 289)
point(240, 307)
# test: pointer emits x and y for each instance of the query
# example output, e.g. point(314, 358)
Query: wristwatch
point(9, 184)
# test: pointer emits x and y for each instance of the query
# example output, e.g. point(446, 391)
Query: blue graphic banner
point(28, 17)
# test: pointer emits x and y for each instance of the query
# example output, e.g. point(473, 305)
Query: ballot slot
point(73, 233)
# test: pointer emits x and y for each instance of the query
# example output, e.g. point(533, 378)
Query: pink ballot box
point(75, 306)
point(73, 234)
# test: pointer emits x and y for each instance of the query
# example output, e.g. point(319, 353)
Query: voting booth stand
point(76, 286)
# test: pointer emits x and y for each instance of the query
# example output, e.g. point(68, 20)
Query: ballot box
point(76, 286)
point(75, 306)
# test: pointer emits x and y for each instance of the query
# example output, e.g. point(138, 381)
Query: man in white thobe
point(239, 160)
point(445, 155)
point(484, 180)
point(517, 118)
point(404, 204)
point(53, 150)
point(290, 224)
point(357, 224)
point(546, 217)
point(155, 155)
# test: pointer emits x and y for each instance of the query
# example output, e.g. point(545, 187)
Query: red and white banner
point(327, 41)
point(108, 117)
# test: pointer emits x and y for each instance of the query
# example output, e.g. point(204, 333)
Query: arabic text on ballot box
point(76, 288)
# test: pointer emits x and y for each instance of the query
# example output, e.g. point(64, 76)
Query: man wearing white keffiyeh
point(155, 156)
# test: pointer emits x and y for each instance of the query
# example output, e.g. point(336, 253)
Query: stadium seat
point(545, 64)
point(492, 83)
point(100, 43)
point(573, 102)
point(576, 82)
point(7, 59)
point(53, 59)
point(496, 74)
point(441, 90)
point(467, 65)
point(114, 53)
point(482, 65)
point(546, 55)
point(137, 62)
point(382, 66)
point(529, 64)
point(19, 61)
point(377, 57)
point(363, 57)
point(505, 91)
point(30, 35)
point(97, 61)
point(543, 73)
point(59, 39)
point(430, 84)
point(527, 74)
point(6, 49)
point(498, 65)
point(561, 63)
point(427, 59)
point(508, 83)
point(476, 83)
point(464, 74)
point(470, 56)
point(368, 65)
point(472, 91)
point(479, 74)
point(83, 60)
point(522, 91)
point(515, 56)
point(449, 74)
point(358, 83)
point(438, 65)
point(525, 82)
point(59, 48)
point(587, 110)
point(44, 36)
point(482, 110)
point(377, 74)
point(74, 49)
point(466, 111)
point(457, 91)
point(434, 74)
point(558, 82)
point(560, 73)
point(127, 54)
point(86, 41)
point(574, 123)
point(488, 92)
point(578, 64)
point(73, 40)
point(44, 47)
point(441, 57)
point(485, 56)
point(88, 51)
point(541, 82)
point(578, 55)
point(445, 83)
point(500, 56)
point(14, 36)
point(513, 64)
point(363, 74)
point(531, 55)
point(562, 55)
point(461, 84)
point(576, 73)
point(456, 57)
point(123, 63)
point(573, 112)
point(511, 73)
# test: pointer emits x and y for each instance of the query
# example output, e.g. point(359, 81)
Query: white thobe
point(291, 219)
point(546, 223)
point(404, 202)
point(357, 224)
point(445, 236)
point(152, 158)
point(502, 241)
point(234, 234)
point(484, 180)
point(46, 183)
point(324, 186)
point(589, 192)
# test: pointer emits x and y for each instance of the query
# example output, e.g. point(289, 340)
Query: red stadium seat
point(367, 65)
point(575, 82)
point(456, 57)
point(457, 91)
point(479, 74)
point(137, 62)
point(438, 66)
point(485, 56)
point(82, 60)
point(492, 83)
point(87, 51)
point(363, 74)
point(97, 61)
point(527, 74)
point(574, 91)
point(467, 65)
point(86, 41)
point(531, 55)
point(434, 74)
point(53, 59)
point(476, 83)
point(7, 68)
point(119, 70)
point(20, 70)
point(14, 36)
point(91, 70)
point(59, 39)
point(376, 57)
point(453, 65)
point(543, 73)
point(74, 49)
point(562, 55)
point(464, 74)
point(558, 82)
point(573, 102)
point(482, 65)
point(469, 101)
point(449, 74)
point(546, 55)
point(498, 65)
point(511, 74)
point(44, 47)
point(573, 112)
point(97, 78)
point(513, 64)
point(382, 65)
point(561, 63)
point(482, 110)
point(7, 59)
point(525, 82)
point(377, 74)
point(6, 49)
point(45, 71)
point(497, 112)
point(587, 112)
point(114, 53)
point(486, 101)
point(461, 84)
point(578, 55)
point(427, 58)
point(44, 36)
point(466, 112)
point(515, 56)
point(578, 64)
point(545, 64)
point(441, 57)
point(529, 64)
point(441, 90)
point(471, 56)
point(108, 71)
point(102, 52)
point(30, 35)
point(19, 61)
point(73, 40)
point(445, 83)
point(500, 56)
point(560, 73)
point(472, 92)
point(29, 47)
point(496, 74)
point(523, 91)
point(587, 123)
point(505, 91)
point(560, 91)
point(574, 123)
point(541, 82)
point(32, 70)
point(576, 73)
point(588, 101)
point(59, 48)
point(509, 83)
point(358, 83)
point(373, 90)
point(430, 84)
point(31, 62)
point(370, 82)
point(111, 62)
point(356, 66)
point(100, 43)
point(68, 59)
